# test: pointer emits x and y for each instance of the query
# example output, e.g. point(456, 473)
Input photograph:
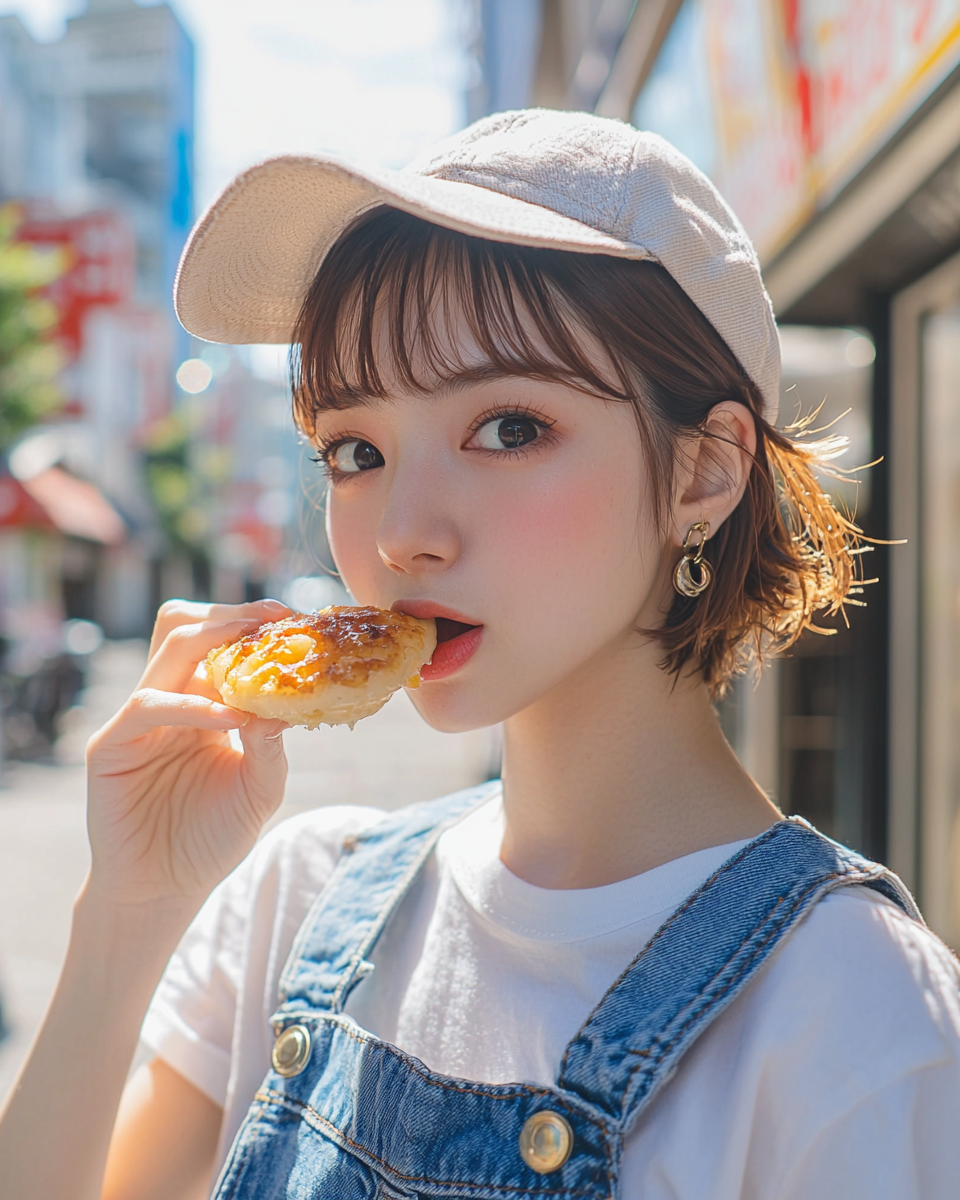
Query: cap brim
point(250, 259)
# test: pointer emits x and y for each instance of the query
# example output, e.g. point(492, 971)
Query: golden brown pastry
point(333, 667)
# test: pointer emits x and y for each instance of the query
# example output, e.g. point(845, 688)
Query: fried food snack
point(333, 667)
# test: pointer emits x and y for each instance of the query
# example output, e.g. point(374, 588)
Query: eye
point(355, 455)
point(508, 433)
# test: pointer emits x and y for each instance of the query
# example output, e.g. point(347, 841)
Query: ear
point(713, 468)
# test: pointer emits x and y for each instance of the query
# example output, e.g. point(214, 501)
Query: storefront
point(833, 128)
point(925, 591)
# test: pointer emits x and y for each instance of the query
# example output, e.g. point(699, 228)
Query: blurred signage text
point(782, 103)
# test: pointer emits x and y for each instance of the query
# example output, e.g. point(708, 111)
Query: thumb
point(264, 766)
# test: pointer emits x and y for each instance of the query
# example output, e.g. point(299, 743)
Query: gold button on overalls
point(545, 1141)
point(291, 1051)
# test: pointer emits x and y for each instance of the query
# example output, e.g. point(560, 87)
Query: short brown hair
point(783, 555)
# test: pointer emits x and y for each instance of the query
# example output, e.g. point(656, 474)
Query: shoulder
point(854, 1028)
point(293, 862)
point(249, 920)
point(858, 996)
point(263, 901)
point(856, 943)
point(828, 1071)
point(309, 844)
point(855, 1016)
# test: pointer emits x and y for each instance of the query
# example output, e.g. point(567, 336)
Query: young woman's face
point(514, 506)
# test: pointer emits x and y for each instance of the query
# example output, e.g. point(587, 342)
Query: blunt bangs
point(382, 308)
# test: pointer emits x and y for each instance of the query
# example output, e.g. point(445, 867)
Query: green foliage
point(29, 361)
point(174, 486)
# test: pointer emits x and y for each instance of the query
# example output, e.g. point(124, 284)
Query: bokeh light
point(194, 375)
point(859, 351)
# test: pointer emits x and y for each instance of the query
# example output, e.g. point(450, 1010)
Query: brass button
point(545, 1142)
point(291, 1051)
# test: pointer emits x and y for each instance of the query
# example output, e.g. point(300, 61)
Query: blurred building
point(833, 128)
point(96, 134)
point(237, 493)
point(589, 55)
point(103, 119)
point(188, 448)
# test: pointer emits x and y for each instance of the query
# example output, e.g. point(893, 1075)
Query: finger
point(174, 613)
point(184, 648)
point(149, 708)
point(200, 684)
point(264, 766)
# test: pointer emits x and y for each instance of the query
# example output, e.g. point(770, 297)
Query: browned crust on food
point(349, 646)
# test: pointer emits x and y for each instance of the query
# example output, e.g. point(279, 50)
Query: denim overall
point(350, 1117)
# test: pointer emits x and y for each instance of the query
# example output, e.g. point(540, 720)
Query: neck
point(619, 770)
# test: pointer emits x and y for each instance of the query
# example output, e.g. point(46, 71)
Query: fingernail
point(273, 606)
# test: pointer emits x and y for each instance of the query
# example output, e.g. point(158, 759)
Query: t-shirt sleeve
point(190, 1020)
point(869, 1106)
point(898, 1144)
point(230, 958)
point(834, 1074)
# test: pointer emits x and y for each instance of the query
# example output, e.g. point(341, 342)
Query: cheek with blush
point(584, 529)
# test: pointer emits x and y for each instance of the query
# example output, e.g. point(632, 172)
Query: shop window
point(940, 616)
point(925, 596)
point(825, 681)
point(812, 730)
point(78, 573)
point(809, 734)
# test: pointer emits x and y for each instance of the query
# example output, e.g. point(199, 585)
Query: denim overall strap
point(375, 870)
point(702, 957)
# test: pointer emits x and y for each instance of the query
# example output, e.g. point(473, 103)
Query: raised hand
point(172, 806)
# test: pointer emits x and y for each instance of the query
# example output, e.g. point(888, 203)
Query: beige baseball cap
point(536, 177)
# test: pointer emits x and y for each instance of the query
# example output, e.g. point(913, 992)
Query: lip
point(451, 655)
point(427, 608)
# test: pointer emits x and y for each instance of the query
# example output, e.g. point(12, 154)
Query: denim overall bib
point(345, 1116)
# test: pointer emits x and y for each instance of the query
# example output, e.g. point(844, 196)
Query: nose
point(418, 531)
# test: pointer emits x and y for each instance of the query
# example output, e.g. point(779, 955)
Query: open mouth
point(457, 642)
point(447, 630)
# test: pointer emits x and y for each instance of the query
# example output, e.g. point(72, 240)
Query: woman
point(541, 373)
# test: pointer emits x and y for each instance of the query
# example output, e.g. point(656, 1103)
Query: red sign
point(18, 507)
point(101, 251)
point(786, 100)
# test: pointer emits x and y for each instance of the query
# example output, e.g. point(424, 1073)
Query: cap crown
point(637, 188)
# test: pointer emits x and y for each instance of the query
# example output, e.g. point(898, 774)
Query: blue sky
point(377, 80)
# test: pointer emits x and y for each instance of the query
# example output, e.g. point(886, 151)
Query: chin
point(453, 710)
point(468, 701)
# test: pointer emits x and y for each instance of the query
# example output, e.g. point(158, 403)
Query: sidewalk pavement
point(390, 759)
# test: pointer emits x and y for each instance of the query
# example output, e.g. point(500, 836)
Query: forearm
point(55, 1128)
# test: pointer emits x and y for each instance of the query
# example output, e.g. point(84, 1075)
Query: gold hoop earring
point(684, 580)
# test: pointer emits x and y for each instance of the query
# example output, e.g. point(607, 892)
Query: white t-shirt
point(836, 1072)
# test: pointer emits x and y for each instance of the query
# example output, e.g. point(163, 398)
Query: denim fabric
point(364, 1120)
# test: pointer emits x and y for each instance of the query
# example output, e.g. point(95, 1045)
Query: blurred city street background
point(138, 464)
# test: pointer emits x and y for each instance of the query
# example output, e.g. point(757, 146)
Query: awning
point(75, 507)
point(18, 508)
